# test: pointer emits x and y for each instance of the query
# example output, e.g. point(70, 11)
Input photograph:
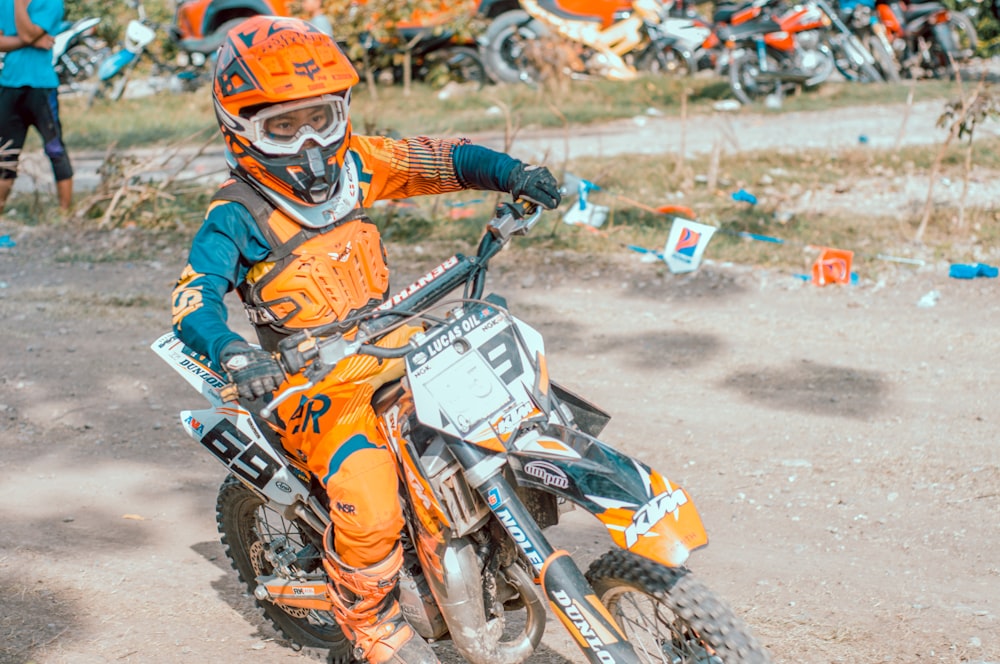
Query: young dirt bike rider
point(289, 233)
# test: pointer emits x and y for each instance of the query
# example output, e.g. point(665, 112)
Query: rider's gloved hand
point(535, 184)
point(255, 372)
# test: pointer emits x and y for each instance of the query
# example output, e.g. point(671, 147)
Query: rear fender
point(643, 511)
point(232, 436)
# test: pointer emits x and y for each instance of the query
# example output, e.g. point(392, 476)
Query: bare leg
point(5, 187)
point(65, 190)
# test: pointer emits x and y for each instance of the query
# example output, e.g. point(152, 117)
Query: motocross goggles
point(283, 129)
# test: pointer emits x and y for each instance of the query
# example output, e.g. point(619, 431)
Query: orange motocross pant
point(333, 430)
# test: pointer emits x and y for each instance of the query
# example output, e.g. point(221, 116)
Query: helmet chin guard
point(282, 97)
point(343, 197)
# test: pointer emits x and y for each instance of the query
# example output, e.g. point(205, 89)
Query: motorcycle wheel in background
point(460, 64)
point(848, 62)
point(964, 33)
point(504, 46)
point(885, 57)
point(668, 615)
point(745, 78)
point(251, 534)
point(79, 64)
point(664, 59)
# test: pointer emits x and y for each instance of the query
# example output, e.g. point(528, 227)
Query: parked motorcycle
point(77, 52)
point(436, 57)
point(926, 37)
point(115, 70)
point(511, 31)
point(489, 452)
point(584, 46)
point(864, 22)
point(774, 54)
point(688, 44)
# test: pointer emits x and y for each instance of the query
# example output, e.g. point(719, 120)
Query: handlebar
point(316, 352)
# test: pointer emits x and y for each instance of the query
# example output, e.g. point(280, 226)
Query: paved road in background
point(835, 129)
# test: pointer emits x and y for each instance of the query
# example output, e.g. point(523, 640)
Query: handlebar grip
point(386, 353)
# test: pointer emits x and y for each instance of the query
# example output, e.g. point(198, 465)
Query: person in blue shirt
point(29, 90)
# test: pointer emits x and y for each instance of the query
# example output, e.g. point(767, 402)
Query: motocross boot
point(364, 601)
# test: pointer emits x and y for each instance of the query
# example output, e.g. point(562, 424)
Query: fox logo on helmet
point(309, 69)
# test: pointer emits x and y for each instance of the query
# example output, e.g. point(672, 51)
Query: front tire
point(248, 527)
point(460, 64)
point(745, 82)
point(668, 615)
point(505, 39)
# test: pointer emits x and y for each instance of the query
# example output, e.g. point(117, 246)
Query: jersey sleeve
point(401, 168)
point(222, 252)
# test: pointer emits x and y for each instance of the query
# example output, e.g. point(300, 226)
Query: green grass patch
point(633, 184)
point(169, 117)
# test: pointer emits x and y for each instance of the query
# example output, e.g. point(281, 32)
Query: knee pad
point(56, 152)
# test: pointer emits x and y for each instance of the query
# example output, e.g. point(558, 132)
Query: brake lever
point(514, 219)
point(266, 411)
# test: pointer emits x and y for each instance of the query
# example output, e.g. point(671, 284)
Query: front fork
point(568, 592)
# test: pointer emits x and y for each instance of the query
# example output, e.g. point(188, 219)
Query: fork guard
point(643, 511)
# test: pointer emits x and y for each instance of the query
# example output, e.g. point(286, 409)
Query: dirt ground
point(840, 443)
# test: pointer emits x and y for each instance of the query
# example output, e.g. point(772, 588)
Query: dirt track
point(840, 444)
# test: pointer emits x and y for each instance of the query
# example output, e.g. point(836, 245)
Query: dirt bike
point(192, 69)
point(437, 57)
point(778, 52)
point(549, 37)
point(489, 453)
point(866, 25)
point(77, 51)
point(928, 38)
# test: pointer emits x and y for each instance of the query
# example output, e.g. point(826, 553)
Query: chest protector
point(313, 276)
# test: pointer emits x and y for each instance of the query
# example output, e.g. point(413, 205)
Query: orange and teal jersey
point(231, 250)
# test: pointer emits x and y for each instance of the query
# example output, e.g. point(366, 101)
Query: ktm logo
point(309, 68)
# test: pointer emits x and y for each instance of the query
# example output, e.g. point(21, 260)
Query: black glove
point(254, 371)
point(535, 184)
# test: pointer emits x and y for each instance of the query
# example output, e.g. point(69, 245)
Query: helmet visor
point(283, 129)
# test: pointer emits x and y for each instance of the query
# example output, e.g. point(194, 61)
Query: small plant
point(961, 117)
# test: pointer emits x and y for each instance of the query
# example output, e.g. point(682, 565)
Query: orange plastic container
point(832, 267)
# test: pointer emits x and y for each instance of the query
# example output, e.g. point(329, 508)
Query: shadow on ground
point(813, 388)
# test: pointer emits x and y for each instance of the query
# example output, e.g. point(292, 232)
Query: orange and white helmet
point(282, 94)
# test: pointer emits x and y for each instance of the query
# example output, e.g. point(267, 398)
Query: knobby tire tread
point(235, 503)
point(686, 597)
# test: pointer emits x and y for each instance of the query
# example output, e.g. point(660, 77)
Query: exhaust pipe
point(459, 594)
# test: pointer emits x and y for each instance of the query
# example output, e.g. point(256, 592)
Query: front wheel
point(668, 615)
point(460, 64)
point(250, 531)
point(750, 81)
point(506, 39)
point(665, 59)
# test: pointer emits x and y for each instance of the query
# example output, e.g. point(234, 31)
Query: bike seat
point(754, 28)
point(205, 46)
point(551, 7)
point(724, 13)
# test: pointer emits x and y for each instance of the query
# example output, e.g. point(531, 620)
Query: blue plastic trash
point(6, 242)
point(968, 271)
point(744, 196)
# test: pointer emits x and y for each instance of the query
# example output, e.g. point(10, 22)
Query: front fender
point(643, 511)
point(114, 64)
